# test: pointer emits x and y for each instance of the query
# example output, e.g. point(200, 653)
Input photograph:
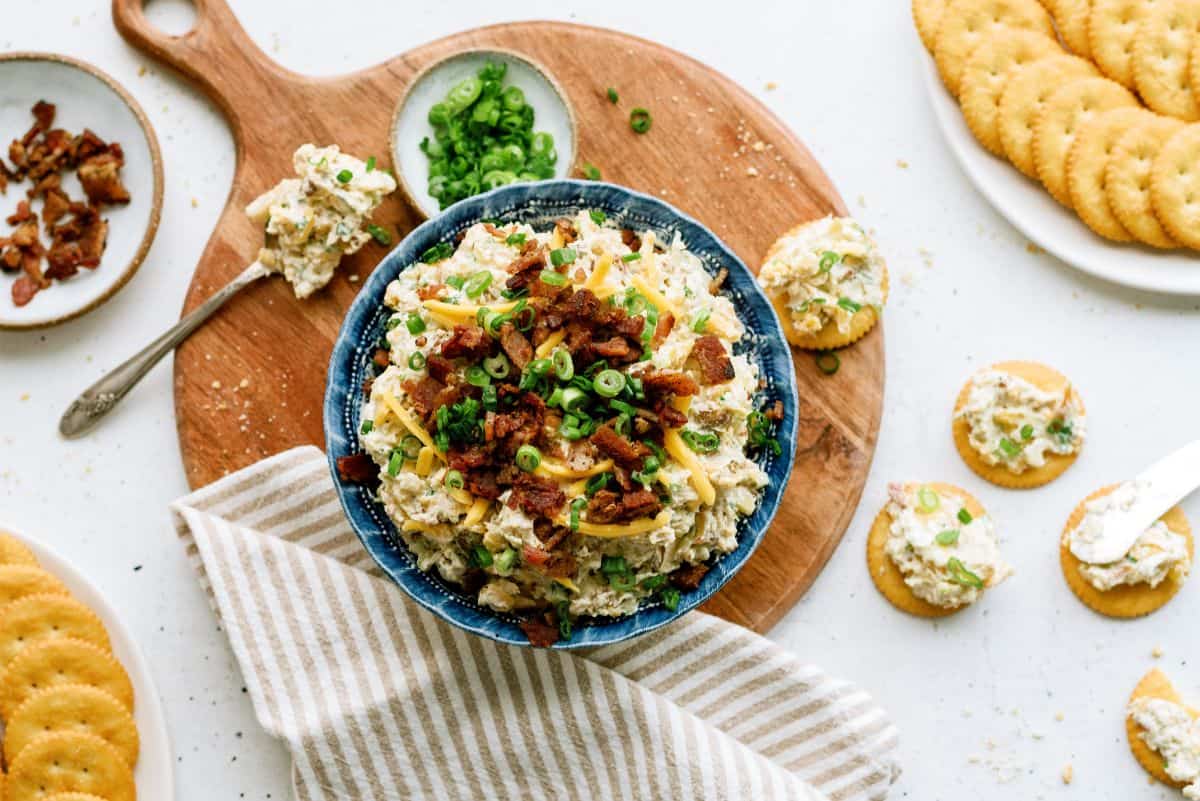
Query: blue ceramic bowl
point(539, 204)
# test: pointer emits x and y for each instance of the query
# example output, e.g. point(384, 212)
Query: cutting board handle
point(216, 53)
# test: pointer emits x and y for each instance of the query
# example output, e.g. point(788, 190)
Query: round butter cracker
point(1175, 186)
point(1112, 29)
point(1087, 166)
point(15, 552)
point(965, 23)
point(1126, 600)
point(70, 797)
point(62, 661)
point(1022, 99)
point(72, 707)
point(1041, 376)
point(1161, 58)
point(69, 762)
point(36, 618)
point(1071, 19)
point(927, 16)
point(1127, 179)
point(1154, 684)
point(1068, 108)
point(991, 64)
point(17, 581)
point(887, 577)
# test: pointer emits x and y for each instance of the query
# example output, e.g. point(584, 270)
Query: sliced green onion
point(539, 367)
point(577, 506)
point(345, 177)
point(947, 537)
point(393, 321)
point(489, 398)
point(609, 383)
point(564, 365)
point(572, 399)
point(395, 462)
point(700, 322)
point(640, 120)
point(628, 257)
point(410, 446)
point(596, 483)
point(928, 500)
point(552, 278)
point(828, 362)
point(561, 256)
point(622, 407)
point(415, 324)
point(439, 252)
point(612, 95)
point(379, 234)
point(959, 574)
point(416, 360)
point(497, 366)
point(366, 426)
point(622, 582)
point(477, 376)
point(670, 598)
point(455, 281)
point(591, 172)
point(528, 458)
point(828, 259)
point(1027, 432)
point(477, 283)
point(598, 217)
point(1009, 448)
point(654, 582)
point(613, 565)
point(700, 442)
point(515, 239)
point(505, 560)
point(964, 516)
point(481, 556)
point(454, 479)
point(849, 305)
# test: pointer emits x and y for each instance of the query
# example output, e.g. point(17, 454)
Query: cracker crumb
point(216, 385)
point(1068, 773)
point(1060, 717)
point(758, 147)
point(24, 396)
point(245, 382)
point(1157, 652)
point(752, 172)
point(1034, 249)
point(142, 70)
point(771, 86)
point(353, 278)
point(862, 202)
point(195, 203)
point(902, 164)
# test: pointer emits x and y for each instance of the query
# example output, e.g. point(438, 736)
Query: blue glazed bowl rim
point(429, 590)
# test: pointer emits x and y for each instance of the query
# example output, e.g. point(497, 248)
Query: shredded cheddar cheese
point(552, 342)
point(549, 469)
point(476, 512)
point(619, 530)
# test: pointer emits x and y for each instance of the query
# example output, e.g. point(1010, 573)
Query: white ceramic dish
point(155, 772)
point(1028, 206)
point(86, 98)
point(552, 114)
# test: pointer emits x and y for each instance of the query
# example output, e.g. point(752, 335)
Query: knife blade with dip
point(310, 222)
point(1158, 488)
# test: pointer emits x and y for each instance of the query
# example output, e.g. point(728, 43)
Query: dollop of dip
point(1013, 423)
point(313, 220)
point(1169, 729)
point(1157, 554)
point(947, 555)
point(825, 271)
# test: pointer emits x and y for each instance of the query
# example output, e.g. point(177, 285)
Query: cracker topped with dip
point(1019, 424)
point(1150, 573)
point(311, 221)
point(1164, 734)
point(828, 281)
point(932, 550)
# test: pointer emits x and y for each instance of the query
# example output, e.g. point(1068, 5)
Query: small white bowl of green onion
point(477, 120)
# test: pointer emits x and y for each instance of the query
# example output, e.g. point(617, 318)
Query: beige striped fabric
point(379, 699)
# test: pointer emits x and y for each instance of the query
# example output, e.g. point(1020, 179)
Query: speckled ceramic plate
point(539, 204)
point(154, 775)
point(1029, 207)
point(86, 98)
point(552, 114)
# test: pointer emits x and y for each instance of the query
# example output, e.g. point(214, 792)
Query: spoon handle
point(99, 399)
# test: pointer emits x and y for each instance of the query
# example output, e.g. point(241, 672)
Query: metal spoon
point(99, 399)
point(1161, 486)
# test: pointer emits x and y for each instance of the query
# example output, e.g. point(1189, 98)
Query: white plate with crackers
point(48, 722)
point(980, 46)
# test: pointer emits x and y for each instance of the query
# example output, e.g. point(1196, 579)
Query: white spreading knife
point(1161, 486)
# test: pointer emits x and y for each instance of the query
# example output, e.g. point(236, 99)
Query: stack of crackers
point(1097, 99)
point(65, 702)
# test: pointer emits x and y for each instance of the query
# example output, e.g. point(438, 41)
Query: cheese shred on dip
point(947, 555)
point(1012, 422)
point(1171, 731)
point(561, 424)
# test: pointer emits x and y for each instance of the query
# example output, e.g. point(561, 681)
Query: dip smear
point(315, 219)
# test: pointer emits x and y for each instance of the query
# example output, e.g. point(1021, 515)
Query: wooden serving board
point(251, 382)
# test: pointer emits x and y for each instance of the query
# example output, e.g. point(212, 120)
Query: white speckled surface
point(966, 292)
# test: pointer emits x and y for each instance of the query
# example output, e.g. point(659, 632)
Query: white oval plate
point(1029, 207)
point(154, 774)
point(86, 98)
point(551, 109)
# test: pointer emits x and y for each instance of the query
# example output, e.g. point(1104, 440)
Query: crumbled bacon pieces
point(467, 341)
point(540, 633)
point(715, 365)
point(689, 577)
point(357, 468)
point(609, 507)
point(624, 452)
point(537, 496)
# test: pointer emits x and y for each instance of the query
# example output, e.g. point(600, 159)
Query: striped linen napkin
point(377, 698)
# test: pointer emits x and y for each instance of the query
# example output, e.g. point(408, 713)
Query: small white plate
point(1029, 207)
point(155, 772)
point(86, 98)
point(552, 114)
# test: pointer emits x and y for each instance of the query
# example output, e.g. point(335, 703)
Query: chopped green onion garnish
point(622, 582)
point(395, 462)
point(1027, 432)
point(415, 324)
point(700, 322)
point(572, 399)
point(577, 506)
point(628, 257)
point(598, 217)
point(561, 256)
point(410, 446)
point(591, 172)
point(455, 281)
point(552, 278)
point(1008, 447)
point(539, 367)
point(700, 442)
point(670, 598)
point(393, 321)
point(849, 305)
point(439, 252)
point(454, 479)
point(477, 376)
point(964, 516)
point(609, 383)
point(828, 259)
point(370, 163)
point(959, 574)
point(828, 362)
point(639, 120)
point(515, 239)
point(612, 565)
point(416, 360)
point(477, 283)
point(564, 366)
point(497, 366)
point(528, 458)
point(947, 537)
point(366, 426)
point(379, 234)
point(928, 500)
point(612, 95)
point(595, 484)
point(481, 556)
point(654, 582)
point(505, 560)
point(345, 176)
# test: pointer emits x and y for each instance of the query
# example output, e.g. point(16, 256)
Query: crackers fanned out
point(1022, 100)
point(1175, 186)
point(990, 66)
point(1126, 600)
point(69, 762)
point(1127, 179)
point(72, 707)
point(1154, 684)
point(965, 23)
point(1087, 164)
